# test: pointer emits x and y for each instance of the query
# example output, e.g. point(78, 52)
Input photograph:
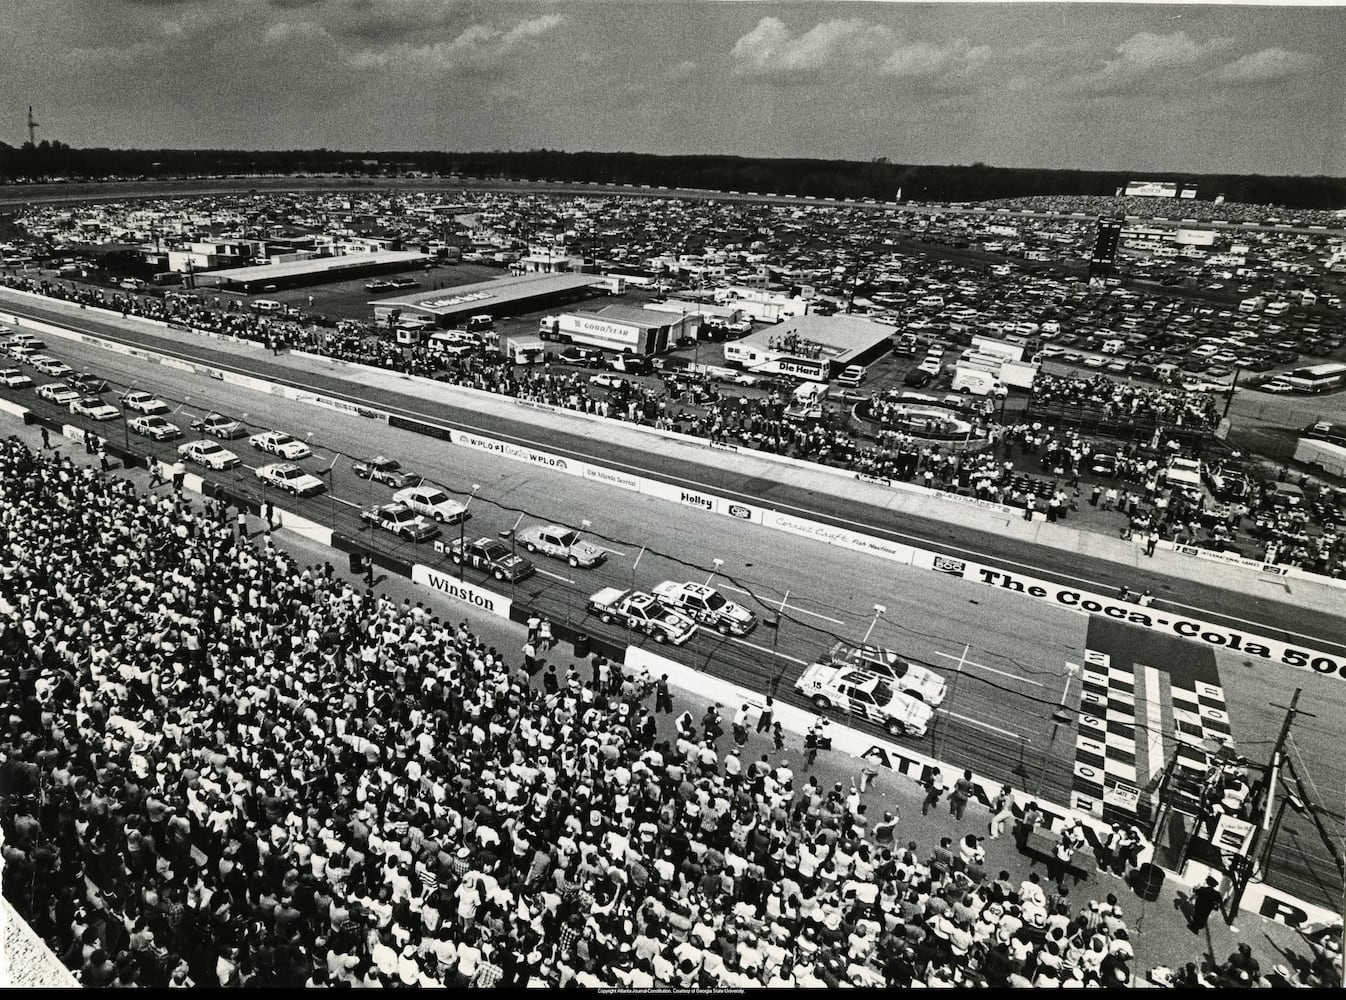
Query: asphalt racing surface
point(1277, 619)
point(1004, 657)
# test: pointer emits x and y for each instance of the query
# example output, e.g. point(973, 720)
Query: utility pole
point(1273, 772)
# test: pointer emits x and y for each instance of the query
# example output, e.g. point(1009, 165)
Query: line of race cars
point(868, 682)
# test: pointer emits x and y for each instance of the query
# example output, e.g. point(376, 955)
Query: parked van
point(977, 382)
point(1113, 346)
point(266, 306)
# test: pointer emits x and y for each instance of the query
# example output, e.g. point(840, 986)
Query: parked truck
point(977, 382)
point(1326, 455)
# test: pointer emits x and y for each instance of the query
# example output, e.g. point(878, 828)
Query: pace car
point(642, 612)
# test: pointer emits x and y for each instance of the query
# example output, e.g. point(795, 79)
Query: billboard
point(1195, 237)
point(1188, 193)
point(1151, 189)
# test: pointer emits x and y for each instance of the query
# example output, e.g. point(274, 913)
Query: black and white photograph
point(672, 495)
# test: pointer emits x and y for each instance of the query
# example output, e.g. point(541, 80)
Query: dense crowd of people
point(1128, 401)
point(887, 446)
point(222, 768)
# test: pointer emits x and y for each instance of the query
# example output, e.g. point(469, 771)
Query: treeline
point(876, 179)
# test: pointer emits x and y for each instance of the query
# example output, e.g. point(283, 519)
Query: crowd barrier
point(1266, 649)
point(1264, 900)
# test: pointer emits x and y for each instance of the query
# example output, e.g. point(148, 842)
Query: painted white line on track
point(770, 652)
point(983, 725)
point(556, 576)
point(993, 670)
point(785, 607)
point(69, 324)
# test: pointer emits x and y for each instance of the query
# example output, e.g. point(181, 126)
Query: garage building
point(621, 328)
point(309, 271)
point(811, 347)
point(450, 307)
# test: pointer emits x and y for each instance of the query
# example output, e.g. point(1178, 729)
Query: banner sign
point(461, 590)
point(1232, 558)
point(518, 452)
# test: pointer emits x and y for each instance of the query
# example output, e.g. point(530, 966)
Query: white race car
point(50, 366)
point(561, 543)
point(291, 479)
point(707, 606)
point(58, 392)
point(641, 612)
point(433, 502)
point(916, 679)
point(866, 697)
point(94, 408)
point(144, 402)
point(154, 427)
point(278, 443)
point(209, 454)
point(12, 378)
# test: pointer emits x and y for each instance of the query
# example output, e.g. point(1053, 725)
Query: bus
point(1316, 378)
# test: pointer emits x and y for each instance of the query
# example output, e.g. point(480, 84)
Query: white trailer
point(1329, 457)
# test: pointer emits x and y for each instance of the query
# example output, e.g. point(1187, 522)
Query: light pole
point(513, 555)
point(879, 612)
point(462, 522)
point(718, 563)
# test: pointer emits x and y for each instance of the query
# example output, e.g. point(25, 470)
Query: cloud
point(295, 33)
point(478, 48)
point(1266, 66)
point(1148, 60)
point(848, 47)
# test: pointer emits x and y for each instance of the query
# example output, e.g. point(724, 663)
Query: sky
point(1151, 88)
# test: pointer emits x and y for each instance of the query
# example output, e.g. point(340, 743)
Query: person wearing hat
point(1204, 900)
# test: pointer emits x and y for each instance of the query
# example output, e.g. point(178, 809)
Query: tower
point(32, 127)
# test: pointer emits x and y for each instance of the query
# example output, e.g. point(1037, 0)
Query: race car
point(90, 383)
point(433, 502)
point(50, 366)
point(209, 454)
point(12, 378)
point(144, 402)
point(916, 679)
point(490, 555)
point(384, 470)
point(865, 696)
point(401, 520)
point(94, 408)
point(642, 612)
point(278, 443)
point(220, 426)
point(58, 392)
point(291, 479)
point(561, 543)
point(155, 427)
point(707, 606)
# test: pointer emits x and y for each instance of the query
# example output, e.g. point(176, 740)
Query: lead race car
point(642, 612)
point(707, 606)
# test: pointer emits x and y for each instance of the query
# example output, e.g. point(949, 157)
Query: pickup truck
point(641, 612)
point(707, 606)
point(561, 543)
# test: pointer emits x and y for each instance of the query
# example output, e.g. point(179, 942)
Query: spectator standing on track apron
point(962, 792)
point(934, 788)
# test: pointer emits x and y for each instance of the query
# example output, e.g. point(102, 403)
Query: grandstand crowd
point(1044, 476)
point(219, 767)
